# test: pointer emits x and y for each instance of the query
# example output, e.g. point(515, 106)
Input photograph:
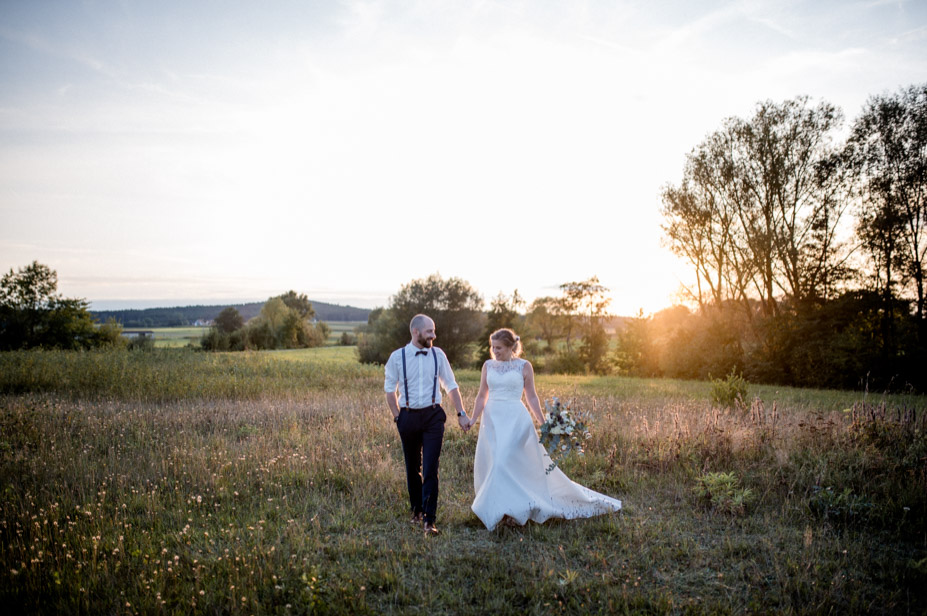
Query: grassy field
point(176, 337)
point(271, 483)
point(339, 327)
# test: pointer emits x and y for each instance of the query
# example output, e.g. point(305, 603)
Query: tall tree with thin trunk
point(758, 211)
point(888, 152)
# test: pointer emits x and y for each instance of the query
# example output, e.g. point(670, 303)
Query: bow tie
point(417, 353)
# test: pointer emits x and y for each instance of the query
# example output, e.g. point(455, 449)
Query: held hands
point(464, 422)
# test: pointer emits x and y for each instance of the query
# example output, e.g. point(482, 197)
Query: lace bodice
point(505, 379)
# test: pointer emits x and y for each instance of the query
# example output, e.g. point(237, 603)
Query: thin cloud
point(681, 36)
point(917, 34)
point(816, 61)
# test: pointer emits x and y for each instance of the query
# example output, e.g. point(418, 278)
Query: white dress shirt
point(420, 372)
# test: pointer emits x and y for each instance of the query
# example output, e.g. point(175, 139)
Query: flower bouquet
point(562, 432)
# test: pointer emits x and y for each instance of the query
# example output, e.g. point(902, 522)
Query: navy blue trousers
point(422, 433)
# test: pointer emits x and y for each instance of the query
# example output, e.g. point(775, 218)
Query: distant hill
point(188, 315)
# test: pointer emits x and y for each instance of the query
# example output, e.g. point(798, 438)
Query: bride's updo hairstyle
point(508, 338)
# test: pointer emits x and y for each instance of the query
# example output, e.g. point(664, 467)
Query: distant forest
point(181, 316)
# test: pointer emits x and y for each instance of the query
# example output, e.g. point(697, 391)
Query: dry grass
point(226, 498)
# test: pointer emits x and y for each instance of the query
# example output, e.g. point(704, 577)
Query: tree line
point(807, 250)
point(565, 333)
point(182, 316)
point(34, 315)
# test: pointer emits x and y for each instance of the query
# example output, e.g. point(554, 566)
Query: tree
point(888, 152)
point(758, 211)
point(275, 312)
point(229, 320)
point(455, 306)
point(109, 334)
point(700, 222)
point(586, 303)
point(635, 354)
point(33, 314)
point(547, 319)
point(285, 322)
point(287, 325)
point(300, 303)
point(374, 340)
point(504, 311)
point(26, 298)
point(779, 152)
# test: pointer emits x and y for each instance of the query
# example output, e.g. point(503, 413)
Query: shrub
point(842, 506)
point(109, 335)
point(260, 335)
point(722, 492)
point(729, 392)
point(142, 342)
point(214, 340)
point(566, 363)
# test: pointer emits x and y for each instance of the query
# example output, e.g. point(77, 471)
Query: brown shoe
point(431, 530)
point(417, 518)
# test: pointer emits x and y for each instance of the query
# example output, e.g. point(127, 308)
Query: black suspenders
point(434, 385)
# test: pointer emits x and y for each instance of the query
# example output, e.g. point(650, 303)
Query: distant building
point(204, 323)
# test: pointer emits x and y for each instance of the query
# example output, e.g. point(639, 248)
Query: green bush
point(109, 335)
point(729, 392)
point(214, 340)
point(843, 506)
point(566, 363)
point(142, 342)
point(722, 492)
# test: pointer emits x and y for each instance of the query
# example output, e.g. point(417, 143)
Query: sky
point(167, 153)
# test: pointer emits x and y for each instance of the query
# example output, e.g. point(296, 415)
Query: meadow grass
point(177, 374)
point(175, 337)
point(272, 483)
point(337, 328)
point(178, 337)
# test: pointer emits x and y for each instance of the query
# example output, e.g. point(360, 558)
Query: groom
point(415, 370)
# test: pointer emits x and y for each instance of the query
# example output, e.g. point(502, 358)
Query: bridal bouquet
point(563, 431)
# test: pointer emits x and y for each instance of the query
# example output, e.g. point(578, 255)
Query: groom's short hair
point(418, 322)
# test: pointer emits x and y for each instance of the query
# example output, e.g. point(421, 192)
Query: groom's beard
point(425, 342)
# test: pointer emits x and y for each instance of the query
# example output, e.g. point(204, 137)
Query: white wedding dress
point(509, 467)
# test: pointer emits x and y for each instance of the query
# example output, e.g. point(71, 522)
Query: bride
point(509, 469)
